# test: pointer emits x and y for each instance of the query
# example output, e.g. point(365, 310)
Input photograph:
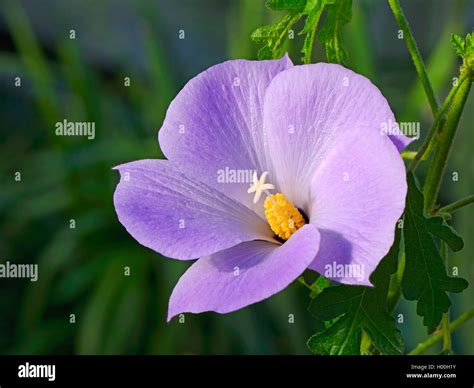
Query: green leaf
point(425, 278)
point(269, 32)
point(458, 44)
point(286, 5)
point(463, 47)
point(265, 53)
point(445, 232)
point(331, 35)
point(358, 308)
point(310, 28)
point(343, 337)
point(273, 36)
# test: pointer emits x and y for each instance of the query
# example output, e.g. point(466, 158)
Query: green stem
point(415, 53)
point(303, 282)
point(438, 165)
point(446, 334)
point(395, 290)
point(435, 338)
point(452, 207)
point(427, 143)
point(408, 155)
point(445, 319)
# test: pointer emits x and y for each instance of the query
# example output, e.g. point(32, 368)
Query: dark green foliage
point(425, 279)
point(358, 308)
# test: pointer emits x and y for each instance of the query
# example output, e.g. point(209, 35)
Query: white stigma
point(259, 186)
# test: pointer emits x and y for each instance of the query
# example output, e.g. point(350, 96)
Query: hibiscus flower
point(272, 169)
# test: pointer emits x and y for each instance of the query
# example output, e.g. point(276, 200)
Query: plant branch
point(415, 54)
point(440, 159)
point(435, 338)
point(452, 207)
point(445, 320)
point(423, 151)
point(395, 290)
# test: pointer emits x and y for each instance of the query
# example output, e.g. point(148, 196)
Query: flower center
point(284, 218)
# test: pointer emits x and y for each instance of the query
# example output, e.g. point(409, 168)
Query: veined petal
point(244, 274)
point(357, 195)
point(179, 217)
point(214, 129)
point(308, 110)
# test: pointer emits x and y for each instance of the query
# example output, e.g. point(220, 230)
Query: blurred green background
point(65, 178)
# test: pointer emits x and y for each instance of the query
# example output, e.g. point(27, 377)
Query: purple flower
point(272, 169)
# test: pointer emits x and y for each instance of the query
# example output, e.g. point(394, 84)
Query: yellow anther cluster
point(282, 216)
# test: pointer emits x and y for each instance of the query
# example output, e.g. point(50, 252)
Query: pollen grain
point(284, 218)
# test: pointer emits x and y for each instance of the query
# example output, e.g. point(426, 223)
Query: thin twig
point(435, 338)
point(452, 207)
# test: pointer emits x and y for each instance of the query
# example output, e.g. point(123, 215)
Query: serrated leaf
point(425, 279)
point(458, 44)
point(358, 308)
point(310, 28)
point(269, 32)
point(273, 36)
point(342, 337)
point(445, 232)
point(331, 35)
point(463, 47)
point(468, 41)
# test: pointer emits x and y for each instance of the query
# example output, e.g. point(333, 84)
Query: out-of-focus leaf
point(92, 323)
point(359, 44)
point(241, 20)
point(81, 81)
point(55, 257)
point(286, 5)
point(125, 324)
point(440, 67)
point(111, 320)
point(77, 280)
point(34, 61)
point(157, 96)
point(48, 338)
